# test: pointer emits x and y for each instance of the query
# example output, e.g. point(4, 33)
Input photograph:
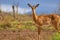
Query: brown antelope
point(44, 19)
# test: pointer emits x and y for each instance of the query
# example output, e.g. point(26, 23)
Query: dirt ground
point(25, 35)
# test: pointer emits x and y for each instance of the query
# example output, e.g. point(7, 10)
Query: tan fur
point(52, 19)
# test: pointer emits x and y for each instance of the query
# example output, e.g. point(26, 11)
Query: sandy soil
point(25, 35)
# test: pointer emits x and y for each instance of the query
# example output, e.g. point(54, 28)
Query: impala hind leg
point(56, 28)
point(56, 25)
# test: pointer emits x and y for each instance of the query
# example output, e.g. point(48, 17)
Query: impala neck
point(34, 15)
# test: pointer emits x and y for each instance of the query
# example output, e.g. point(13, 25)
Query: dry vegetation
point(23, 28)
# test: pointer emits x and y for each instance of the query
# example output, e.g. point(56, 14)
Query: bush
point(56, 36)
point(5, 25)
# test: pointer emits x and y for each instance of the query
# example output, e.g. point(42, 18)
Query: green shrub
point(56, 36)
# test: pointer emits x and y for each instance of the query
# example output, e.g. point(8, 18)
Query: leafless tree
point(17, 9)
point(13, 8)
point(0, 9)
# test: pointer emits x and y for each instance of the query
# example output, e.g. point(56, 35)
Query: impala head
point(33, 7)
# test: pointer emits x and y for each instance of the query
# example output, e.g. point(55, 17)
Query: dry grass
point(23, 28)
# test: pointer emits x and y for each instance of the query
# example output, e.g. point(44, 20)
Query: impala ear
point(29, 5)
point(37, 5)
